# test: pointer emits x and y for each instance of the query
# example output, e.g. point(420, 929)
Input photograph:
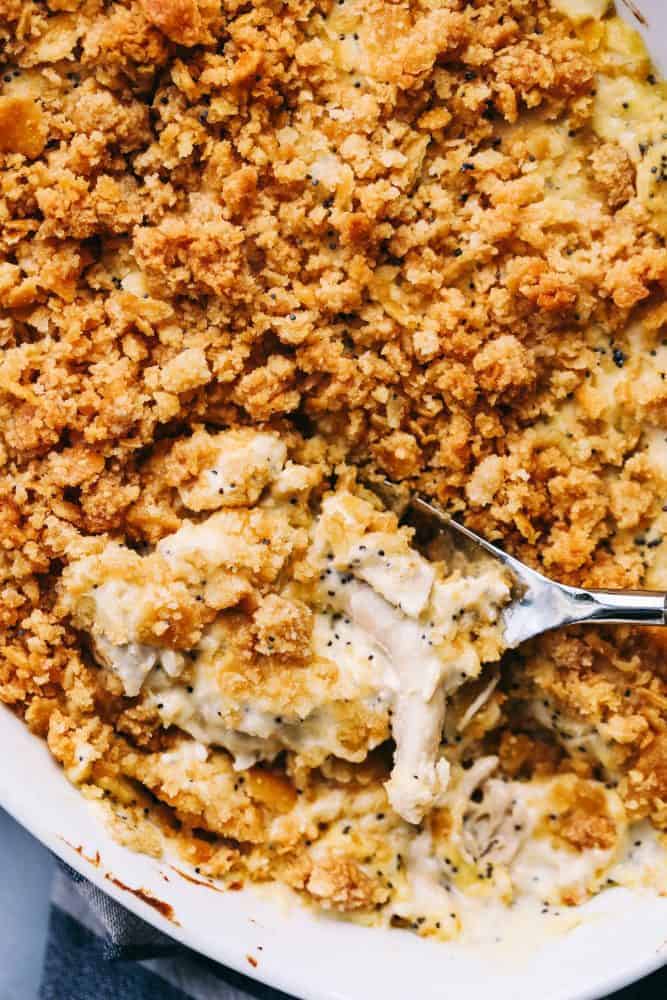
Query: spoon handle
point(638, 607)
point(546, 604)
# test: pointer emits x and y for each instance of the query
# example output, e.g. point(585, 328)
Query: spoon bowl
point(541, 604)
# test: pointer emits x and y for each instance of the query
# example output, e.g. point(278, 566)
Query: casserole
point(150, 896)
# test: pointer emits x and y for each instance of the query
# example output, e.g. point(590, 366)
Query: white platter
point(621, 936)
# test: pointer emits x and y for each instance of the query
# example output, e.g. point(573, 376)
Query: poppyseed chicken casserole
point(254, 255)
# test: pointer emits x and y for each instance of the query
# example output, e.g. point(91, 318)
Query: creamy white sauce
point(426, 891)
point(246, 462)
point(494, 830)
point(579, 10)
point(414, 618)
point(403, 579)
point(385, 657)
point(643, 864)
point(134, 661)
point(578, 737)
point(398, 632)
point(499, 875)
point(419, 711)
point(259, 733)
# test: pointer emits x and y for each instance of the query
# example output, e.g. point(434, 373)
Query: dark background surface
point(26, 869)
point(25, 879)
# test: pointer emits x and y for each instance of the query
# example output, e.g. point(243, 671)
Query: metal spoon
point(543, 604)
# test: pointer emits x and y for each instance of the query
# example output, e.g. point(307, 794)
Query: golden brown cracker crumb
point(339, 884)
point(22, 128)
point(583, 821)
point(180, 20)
point(282, 627)
point(423, 239)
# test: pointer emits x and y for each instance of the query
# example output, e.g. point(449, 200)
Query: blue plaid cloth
point(98, 951)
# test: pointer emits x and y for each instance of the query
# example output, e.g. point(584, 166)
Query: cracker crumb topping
point(247, 251)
